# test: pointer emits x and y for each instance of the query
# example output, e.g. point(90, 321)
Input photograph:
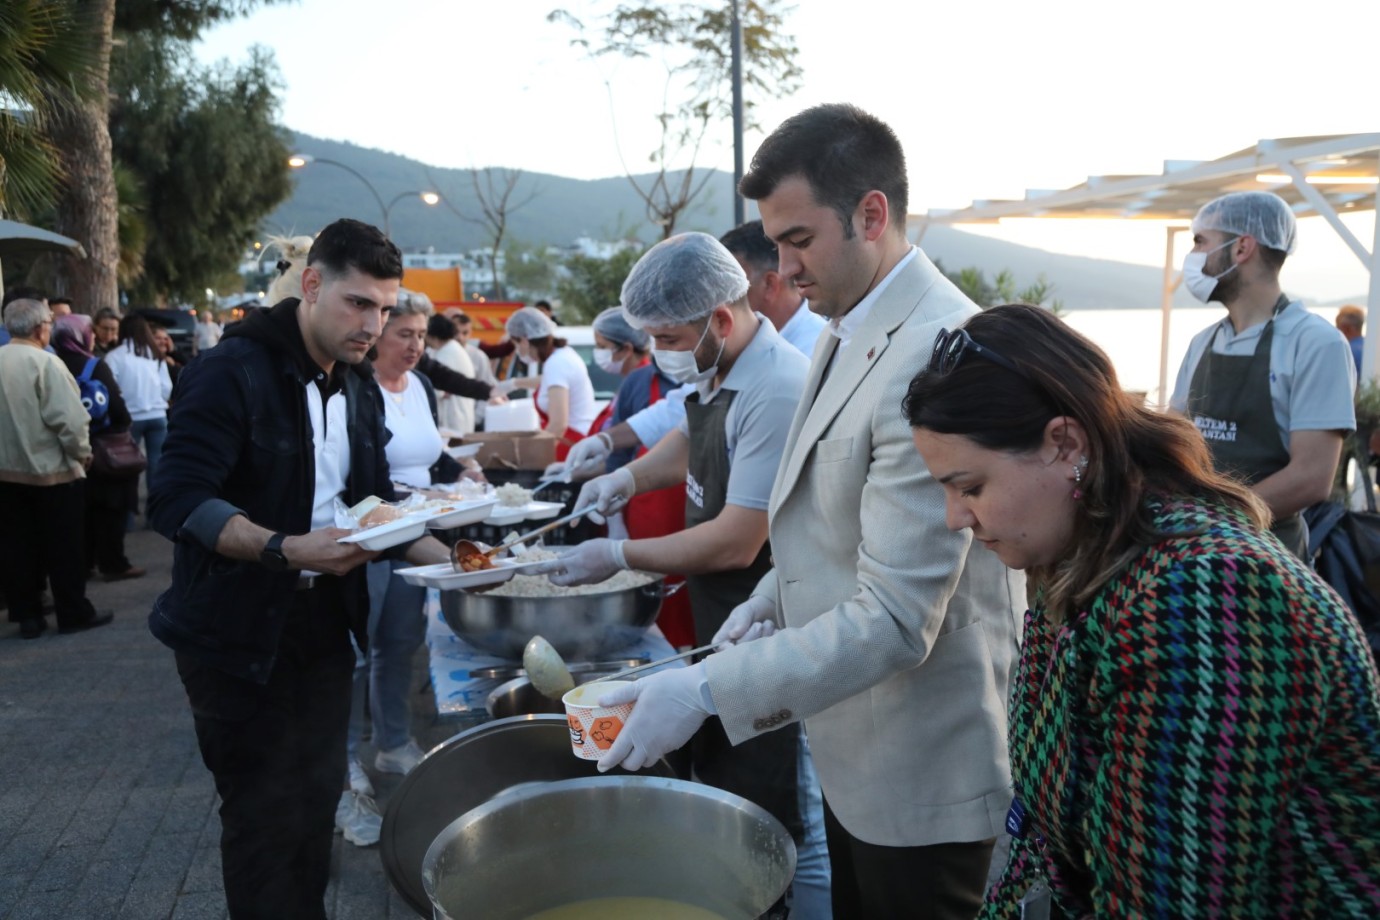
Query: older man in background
point(45, 448)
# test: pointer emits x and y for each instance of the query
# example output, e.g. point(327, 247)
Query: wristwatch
point(272, 554)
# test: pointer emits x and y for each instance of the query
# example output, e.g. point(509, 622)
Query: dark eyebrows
point(945, 480)
point(784, 235)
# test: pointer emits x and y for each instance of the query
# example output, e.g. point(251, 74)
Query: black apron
point(763, 769)
point(1229, 401)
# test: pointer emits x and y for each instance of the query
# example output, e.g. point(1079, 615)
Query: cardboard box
point(514, 450)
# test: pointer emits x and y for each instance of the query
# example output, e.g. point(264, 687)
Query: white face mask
point(682, 367)
point(1199, 284)
point(603, 357)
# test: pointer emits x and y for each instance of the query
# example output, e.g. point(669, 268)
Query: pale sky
point(989, 98)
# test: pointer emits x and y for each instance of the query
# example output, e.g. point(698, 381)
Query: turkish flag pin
point(870, 353)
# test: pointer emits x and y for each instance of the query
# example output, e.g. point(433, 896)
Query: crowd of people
point(992, 637)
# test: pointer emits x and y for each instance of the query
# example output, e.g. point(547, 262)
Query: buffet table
point(460, 695)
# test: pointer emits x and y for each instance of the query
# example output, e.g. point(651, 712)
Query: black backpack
point(94, 396)
point(1345, 548)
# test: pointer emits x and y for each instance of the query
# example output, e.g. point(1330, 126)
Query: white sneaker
point(358, 818)
point(359, 780)
point(399, 760)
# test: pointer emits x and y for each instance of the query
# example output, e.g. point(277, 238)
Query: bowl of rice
point(583, 622)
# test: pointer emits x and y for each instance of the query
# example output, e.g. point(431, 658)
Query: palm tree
point(47, 61)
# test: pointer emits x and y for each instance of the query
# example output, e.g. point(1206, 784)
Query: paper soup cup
point(593, 728)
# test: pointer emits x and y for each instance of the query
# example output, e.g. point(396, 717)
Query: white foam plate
point(442, 575)
point(532, 511)
point(462, 513)
point(461, 451)
point(403, 530)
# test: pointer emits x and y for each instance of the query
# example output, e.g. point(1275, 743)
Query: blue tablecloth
point(461, 696)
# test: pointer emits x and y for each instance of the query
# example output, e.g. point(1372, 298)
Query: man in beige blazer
point(899, 635)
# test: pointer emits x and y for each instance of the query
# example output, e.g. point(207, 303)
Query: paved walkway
point(106, 810)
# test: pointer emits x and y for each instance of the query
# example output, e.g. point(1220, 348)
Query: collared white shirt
point(331, 444)
point(846, 326)
point(803, 328)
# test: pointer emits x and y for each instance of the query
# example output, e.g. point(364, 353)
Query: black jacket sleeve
point(443, 378)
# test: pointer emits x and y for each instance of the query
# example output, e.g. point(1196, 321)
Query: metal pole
point(367, 184)
point(739, 206)
point(1167, 287)
point(1370, 351)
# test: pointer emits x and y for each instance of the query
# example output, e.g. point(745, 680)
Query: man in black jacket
point(269, 428)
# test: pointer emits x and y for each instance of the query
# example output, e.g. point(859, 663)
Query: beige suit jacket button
point(770, 722)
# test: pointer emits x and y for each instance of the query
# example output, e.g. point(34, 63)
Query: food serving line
point(514, 795)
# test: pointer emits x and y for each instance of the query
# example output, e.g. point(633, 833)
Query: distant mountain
point(563, 209)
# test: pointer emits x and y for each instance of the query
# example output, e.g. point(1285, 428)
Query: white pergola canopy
point(1327, 176)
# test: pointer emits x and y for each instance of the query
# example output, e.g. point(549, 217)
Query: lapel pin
point(870, 352)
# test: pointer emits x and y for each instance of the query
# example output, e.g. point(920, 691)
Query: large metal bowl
point(579, 626)
point(464, 772)
point(543, 846)
point(517, 697)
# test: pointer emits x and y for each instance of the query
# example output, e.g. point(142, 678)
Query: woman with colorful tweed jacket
point(1195, 719)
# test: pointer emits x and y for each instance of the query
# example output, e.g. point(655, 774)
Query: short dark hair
point(750, 243)
point(54, 301)
point(461, 319)
point(440, 327)
point(106, 313)
point(24, 292)
point(843, 152)
point(348, 244)
point(1273, 258)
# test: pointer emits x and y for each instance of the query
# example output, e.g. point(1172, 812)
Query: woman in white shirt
point(143, 377)
point(565, 395)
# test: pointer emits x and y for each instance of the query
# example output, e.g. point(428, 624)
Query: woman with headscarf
point(108, 501)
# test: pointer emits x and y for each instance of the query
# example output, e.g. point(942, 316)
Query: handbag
point(1345, 548)
point(115, 456)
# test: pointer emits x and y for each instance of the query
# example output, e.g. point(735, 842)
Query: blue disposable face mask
point(1200, 284)
point(682, 366)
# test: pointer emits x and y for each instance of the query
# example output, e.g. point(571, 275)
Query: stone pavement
point(106, 810)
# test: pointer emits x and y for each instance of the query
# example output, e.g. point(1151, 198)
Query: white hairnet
point(680, 280)
point(614, 326)
point(1262, 215)
point(530, 323)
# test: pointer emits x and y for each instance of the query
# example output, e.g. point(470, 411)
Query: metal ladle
point(548, 673)
point(467, 548)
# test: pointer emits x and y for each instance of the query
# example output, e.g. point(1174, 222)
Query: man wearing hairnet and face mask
point(690, 295)
point(1270, 385)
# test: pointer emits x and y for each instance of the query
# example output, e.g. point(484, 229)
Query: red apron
point(659, 514)
point(567, 440)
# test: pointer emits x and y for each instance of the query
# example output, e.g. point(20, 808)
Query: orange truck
point(447, 291)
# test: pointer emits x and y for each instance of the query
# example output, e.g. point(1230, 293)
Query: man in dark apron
point(689, 293)
point(1268, 355)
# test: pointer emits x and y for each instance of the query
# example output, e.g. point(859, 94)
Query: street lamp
point(298, 160)
point(428, 198)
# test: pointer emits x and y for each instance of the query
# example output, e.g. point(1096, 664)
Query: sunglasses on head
point(950, 347)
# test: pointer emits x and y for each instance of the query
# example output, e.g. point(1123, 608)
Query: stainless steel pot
point(464, 772)
point(517, 697)
point(542, 846)
point(579, 626)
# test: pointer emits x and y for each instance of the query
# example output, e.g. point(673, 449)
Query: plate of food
point(389, 534)
point(448, 514)
point(531, 511)
point(461, 451)
point(442, 575)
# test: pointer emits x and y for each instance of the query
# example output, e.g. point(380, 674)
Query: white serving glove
point(587, 456)
point(592, 561)
point(504, 387)
point(609, 494)
point(556, 471)
point(754, 618)
point(669, 707)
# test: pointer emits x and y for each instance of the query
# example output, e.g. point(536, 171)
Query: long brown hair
point(1132, 451)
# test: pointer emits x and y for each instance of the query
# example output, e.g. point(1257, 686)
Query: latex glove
point(753, 619)
point(609, 494)
point(669, 707)
point(588, 455)
point(504, 387)
point(556, 471)
point(590, 562)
